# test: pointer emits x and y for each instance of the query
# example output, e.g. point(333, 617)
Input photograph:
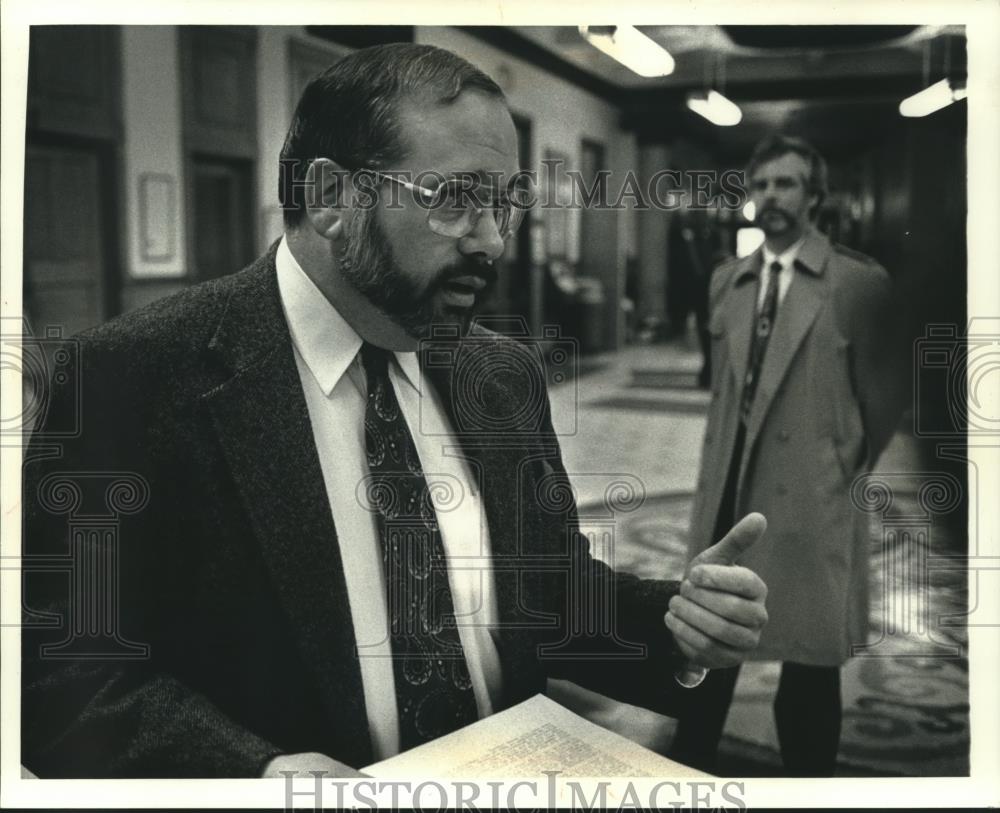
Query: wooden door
point(599, 250)
point(222, 215)
point(65, 260)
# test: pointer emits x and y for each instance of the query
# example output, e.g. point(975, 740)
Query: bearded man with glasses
point(334, 564)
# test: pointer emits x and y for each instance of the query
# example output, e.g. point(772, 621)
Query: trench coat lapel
point(739, 318)
point(263, 426)
point(796, 314)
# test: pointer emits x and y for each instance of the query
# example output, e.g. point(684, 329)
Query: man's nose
point(768, 193)
point(484, 241)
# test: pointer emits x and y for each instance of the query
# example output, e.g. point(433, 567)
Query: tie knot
point(375, 360)
point(776, 267)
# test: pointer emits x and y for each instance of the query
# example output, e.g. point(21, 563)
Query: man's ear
point(327, 196)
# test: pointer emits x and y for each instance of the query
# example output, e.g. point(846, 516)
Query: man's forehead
point(790, 164)
point(472, 134)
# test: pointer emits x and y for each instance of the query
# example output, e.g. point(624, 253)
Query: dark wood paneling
point(218, 80)
point(221, 238)
point(599, 250)
point(218, 70)
point(64, 256)
point(73, 80)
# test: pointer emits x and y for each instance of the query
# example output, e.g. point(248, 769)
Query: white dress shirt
point(326, 354)
point(787, 260)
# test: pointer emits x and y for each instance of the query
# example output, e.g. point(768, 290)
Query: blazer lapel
point(486, 456)
point(263, 425)
point(796, 314)
point(497, 462)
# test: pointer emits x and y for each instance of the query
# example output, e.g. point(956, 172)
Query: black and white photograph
point(489, 407)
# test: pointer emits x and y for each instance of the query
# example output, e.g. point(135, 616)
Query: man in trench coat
point(787, 436)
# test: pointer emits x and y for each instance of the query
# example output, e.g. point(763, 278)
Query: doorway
point(68, 196)
point(221, 215)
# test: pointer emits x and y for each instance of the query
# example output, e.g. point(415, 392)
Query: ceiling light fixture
point(711, 103)
point(715, 107)
point(932, 98)
point(629, 46)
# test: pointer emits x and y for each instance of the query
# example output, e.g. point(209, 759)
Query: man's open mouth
point(469, 283)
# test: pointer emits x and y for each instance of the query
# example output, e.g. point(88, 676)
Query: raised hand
point(718, 616)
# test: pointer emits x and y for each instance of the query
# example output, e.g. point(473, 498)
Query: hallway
point(631, 427)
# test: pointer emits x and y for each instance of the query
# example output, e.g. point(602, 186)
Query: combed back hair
point(776, 146)
point(349, 112)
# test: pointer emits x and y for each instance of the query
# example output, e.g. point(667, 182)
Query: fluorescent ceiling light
point(932, 98)
point(715, 107)
point(631, 47)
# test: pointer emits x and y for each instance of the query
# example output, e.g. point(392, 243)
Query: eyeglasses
point(455, 206)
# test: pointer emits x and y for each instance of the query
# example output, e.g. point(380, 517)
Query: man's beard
point(368, 264)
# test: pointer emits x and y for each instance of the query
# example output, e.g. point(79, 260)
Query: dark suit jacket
point(194, 482)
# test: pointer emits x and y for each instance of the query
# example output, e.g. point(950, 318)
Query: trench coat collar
point(811, 258)
point(742, 301)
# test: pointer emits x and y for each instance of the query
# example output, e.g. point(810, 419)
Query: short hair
point(775, 146)
point(348, 113)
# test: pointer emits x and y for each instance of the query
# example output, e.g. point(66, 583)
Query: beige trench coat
point(822, 413)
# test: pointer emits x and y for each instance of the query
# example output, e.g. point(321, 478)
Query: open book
point(525, 741)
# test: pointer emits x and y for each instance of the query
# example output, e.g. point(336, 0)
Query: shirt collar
point(810, 254)
point(787, 257)
point(327, 343)
point(410, 366)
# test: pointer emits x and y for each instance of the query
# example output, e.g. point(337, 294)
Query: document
point(525, 741)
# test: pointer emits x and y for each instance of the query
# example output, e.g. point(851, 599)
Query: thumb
point(739, 539)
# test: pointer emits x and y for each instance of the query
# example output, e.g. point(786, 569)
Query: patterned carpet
point(905, 700)
point(663, 378)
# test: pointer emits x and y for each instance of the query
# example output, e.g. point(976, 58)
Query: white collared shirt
point(326, 354)
point(787, 260)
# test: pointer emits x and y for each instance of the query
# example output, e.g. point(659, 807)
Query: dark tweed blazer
point(230, 639)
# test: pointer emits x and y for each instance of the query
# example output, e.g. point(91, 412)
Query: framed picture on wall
point(157, 217)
